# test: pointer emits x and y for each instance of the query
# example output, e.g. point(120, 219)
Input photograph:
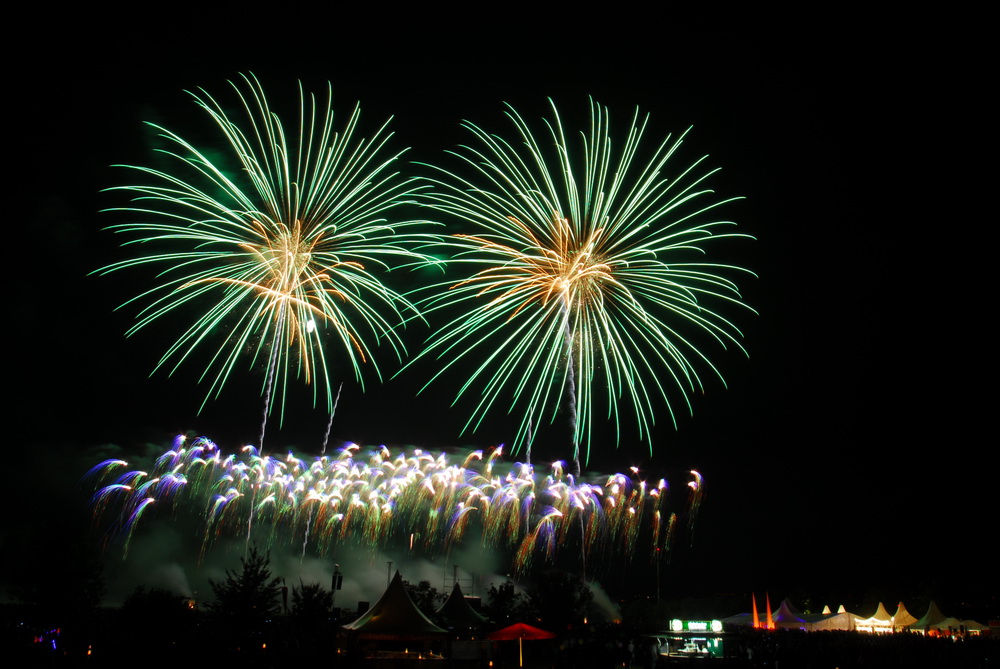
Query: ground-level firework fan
point(343, 498)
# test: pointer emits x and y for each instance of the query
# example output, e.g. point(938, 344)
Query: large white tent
point(842, 620)
point(880, 622)
point(789, 617)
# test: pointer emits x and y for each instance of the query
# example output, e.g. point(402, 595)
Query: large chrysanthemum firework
point(587, 274)
point(281, 256)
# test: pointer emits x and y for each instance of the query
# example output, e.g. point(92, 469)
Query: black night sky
point(849, 452)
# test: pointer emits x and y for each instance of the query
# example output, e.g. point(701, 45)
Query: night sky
point(849, 451)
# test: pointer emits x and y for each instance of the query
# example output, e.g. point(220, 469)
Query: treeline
point(252, 618)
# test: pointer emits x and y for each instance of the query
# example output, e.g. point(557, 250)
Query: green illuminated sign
point(695, 626)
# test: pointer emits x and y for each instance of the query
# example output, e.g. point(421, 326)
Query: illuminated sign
point(695, 625)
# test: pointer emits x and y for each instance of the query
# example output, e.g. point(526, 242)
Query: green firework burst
point(283, 259)
point(584, 273)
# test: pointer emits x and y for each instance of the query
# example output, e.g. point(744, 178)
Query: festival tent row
point(395, 616)
point(789, 617)
point(935, 622)
point(395, 630)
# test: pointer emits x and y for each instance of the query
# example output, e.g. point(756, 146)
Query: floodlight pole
point(337, 584)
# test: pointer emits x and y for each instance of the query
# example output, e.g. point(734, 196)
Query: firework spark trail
point(329, 423)
point(573, 408)
point(270, 375)
point(527, 444)
point(571, 389)
point(344, 498)
point(326, 438)
point(616, 242)
point(266, 410)
point(697, 486)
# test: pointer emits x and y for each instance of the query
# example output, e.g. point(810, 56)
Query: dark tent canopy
point(395, 616)
point(458, 614)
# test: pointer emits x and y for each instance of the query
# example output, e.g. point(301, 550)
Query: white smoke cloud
point(603, 605)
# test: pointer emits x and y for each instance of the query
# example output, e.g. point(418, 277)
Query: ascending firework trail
point(326, 438)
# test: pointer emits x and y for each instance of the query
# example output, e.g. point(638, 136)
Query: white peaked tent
point(841, 620)
point(902, 618)
point(929, 620)
point(395, 617)
point(948, 625)
point(879, 623)
point(956, 626)
point(971, 626)
point(458, 614)
point(936, 622)
point(789, 617)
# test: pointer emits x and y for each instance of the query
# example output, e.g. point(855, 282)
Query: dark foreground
point(106, 639)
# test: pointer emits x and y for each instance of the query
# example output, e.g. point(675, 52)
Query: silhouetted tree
point(506, 606)
point(560, 599)
point(156, 605)
point(251, 594)
point(245, 602)
point(309, 629)
point(425, 596)
point(156, 621)
point(310, 601)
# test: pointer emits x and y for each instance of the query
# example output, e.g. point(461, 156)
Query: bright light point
point(310, 326)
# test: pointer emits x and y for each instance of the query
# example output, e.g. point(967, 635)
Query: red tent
point(520, 631)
